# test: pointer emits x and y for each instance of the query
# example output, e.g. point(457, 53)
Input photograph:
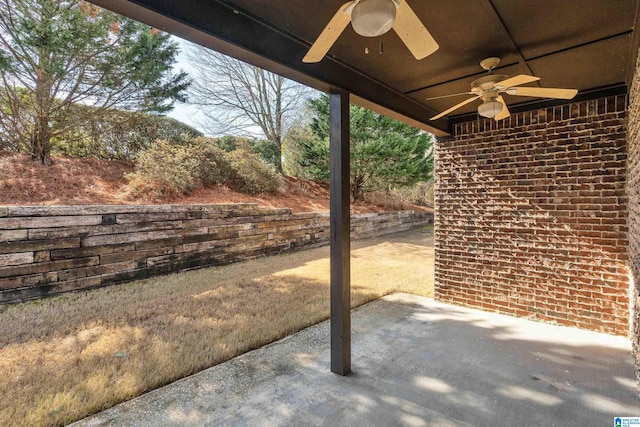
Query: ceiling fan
point(372, 18)
point(489, 89)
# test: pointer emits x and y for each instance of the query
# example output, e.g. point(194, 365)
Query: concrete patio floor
point(416, 362)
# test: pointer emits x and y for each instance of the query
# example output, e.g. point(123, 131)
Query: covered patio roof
point(589, 45)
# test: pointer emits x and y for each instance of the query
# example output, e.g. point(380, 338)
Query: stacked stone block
point(51, 250)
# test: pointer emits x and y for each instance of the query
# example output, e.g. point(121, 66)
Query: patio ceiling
point(585, 44)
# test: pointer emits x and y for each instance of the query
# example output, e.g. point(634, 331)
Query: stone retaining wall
point(47, 250)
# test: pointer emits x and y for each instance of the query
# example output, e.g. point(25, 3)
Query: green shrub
point(213, 166)
point(385, 199)
point(252, 174)
point(120, 135)
point(165, 169)
point(420, 193)
point(267, 150)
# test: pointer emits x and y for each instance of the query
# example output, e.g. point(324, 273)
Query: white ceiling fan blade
point(455, 107)
point(516, 81)
point(544, 92)
point(505, 111)
point(412, 32)
point(330, 34)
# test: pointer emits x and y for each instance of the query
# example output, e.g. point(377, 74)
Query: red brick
point(526, 206)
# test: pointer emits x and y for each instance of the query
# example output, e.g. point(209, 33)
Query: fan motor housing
point(487, 82)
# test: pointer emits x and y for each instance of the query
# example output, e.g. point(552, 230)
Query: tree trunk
point(278, 124)
point(356, 187)
point(278, 159)
point(41, 136)
point(279, 165)
point(41, 142)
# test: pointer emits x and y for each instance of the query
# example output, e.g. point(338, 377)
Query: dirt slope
point(73, 181)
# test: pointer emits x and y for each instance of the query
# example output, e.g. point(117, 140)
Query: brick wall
point(50, 250)
point(531, 216)
point(633, 194)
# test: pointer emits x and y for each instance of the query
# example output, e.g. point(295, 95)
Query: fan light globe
point(371, 18)
point(490, 109)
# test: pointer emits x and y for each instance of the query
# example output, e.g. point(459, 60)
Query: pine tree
point(55, 54)
point(384, 152)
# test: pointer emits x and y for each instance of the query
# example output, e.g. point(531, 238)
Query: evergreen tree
point(384, 152)
point(55, 54)
point(120, 135)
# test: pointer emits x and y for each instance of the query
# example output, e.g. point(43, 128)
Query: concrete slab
point(416, 362)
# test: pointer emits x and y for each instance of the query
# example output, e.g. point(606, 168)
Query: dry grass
point(67, 357)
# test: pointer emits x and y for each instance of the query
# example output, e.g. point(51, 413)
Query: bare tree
point(235, 97)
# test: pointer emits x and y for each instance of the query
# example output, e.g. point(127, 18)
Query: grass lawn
point(67, 357)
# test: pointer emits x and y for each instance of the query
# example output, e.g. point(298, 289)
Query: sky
point(184, 112)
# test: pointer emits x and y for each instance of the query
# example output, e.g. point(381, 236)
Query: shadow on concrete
point(67, 357)
point(416, 362)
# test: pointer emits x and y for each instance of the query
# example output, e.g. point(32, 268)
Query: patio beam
point(340, 232)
